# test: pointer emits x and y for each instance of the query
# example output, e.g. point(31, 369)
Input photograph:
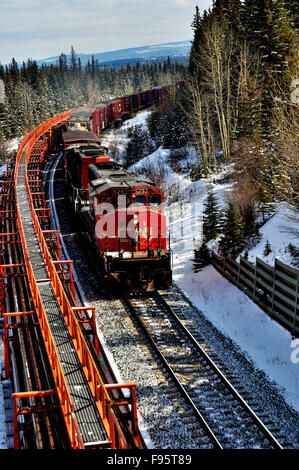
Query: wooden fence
point(274, 289)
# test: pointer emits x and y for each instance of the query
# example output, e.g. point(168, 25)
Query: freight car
point(95, 118)
point(122, 216)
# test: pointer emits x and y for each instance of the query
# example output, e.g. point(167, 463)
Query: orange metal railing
point(63, 392)
point(98, 389)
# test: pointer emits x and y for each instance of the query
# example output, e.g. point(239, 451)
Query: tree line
point(33, 94)
point(243, 64)
point(244, 67)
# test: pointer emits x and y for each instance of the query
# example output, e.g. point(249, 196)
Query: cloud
point(183, 3)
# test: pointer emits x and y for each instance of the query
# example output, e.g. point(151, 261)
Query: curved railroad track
point(26, 363)
point(106, 369)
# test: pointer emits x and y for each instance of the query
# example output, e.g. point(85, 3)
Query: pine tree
point(229, 11)
point(232, 230)
point(167, 124)
point(195, 25)
point(294, 252)
point(269, 30)
point(201, 258)
point(73, 60)
point(211, 218)
point(250, 116)
point(199, 26)
point(138, 146)
point(292, 7)
point(265, 198)
point(267, 249)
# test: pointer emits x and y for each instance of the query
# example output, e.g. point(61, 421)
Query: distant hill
point(159, 52)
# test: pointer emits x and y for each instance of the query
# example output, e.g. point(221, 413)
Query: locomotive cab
point(130, 228)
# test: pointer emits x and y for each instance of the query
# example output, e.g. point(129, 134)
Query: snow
point(14, 143)
point(117, 140)
point(277, 231)
point(267, 344)
point(2, 169)
point(11, 146)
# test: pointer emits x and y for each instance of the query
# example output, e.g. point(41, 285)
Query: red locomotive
point(122, 214)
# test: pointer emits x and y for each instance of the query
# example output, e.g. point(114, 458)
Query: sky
point(40, 29)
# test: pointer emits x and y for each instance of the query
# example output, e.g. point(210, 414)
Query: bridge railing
point(97, 387)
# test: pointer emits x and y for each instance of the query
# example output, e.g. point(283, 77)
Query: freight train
point(121, 214)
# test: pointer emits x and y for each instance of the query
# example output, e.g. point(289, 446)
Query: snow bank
point(263, 340)
point(277, 231)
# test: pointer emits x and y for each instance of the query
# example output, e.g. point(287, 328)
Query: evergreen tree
point(294, 252)
point(74, 61)
point(267, 249)
point(250, 114)
point(195, 25)
point(35, 93)
point(265, 198)
point(199, 26)
point(229, 11)
point(268, 29)
point(292, 8)
point(138, 146)
point(167, 124)
point(233, 232)
point(211, 218)
point(201, 258)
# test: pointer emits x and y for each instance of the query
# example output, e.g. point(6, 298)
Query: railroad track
point(26, 361)
point(214, 405)
point(106, 369)
point(199, 383)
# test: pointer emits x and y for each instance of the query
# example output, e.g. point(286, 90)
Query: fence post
point(296, 302)
point(273, 289)
point(239, 269)
point(255, 271)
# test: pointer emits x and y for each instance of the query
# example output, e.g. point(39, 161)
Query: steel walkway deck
point(89, 423)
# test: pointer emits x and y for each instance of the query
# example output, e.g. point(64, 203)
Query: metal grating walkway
point(89, 423)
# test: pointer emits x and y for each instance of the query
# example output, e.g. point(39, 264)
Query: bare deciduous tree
point(228, 76)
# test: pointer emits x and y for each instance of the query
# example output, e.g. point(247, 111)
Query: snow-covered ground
point(117, 140)
point(263, 340)
point(277, 232)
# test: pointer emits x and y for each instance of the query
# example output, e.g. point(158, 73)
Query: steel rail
point(264, 430)
point(173, 376)
point(220, 374)
point(29, 364)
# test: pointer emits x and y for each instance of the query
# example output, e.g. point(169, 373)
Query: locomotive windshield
point(155, 199)
point(139, 199)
